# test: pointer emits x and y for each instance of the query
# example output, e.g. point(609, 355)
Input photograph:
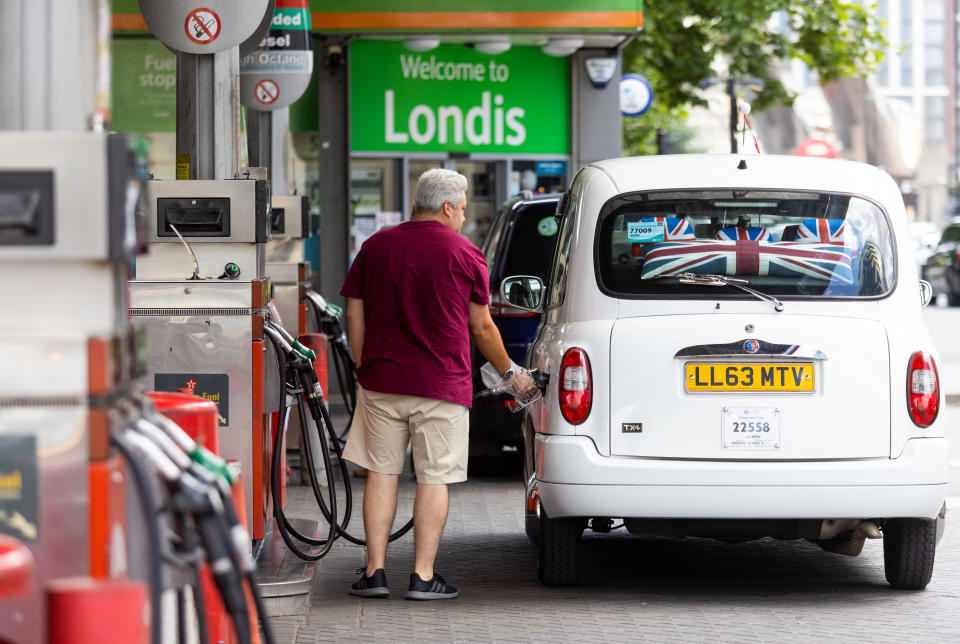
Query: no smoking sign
point(202, 26)
point(267, 91)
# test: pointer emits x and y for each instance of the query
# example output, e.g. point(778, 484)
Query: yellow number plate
point(766, 376)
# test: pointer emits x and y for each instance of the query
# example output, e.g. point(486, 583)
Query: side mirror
point(926, 292)
point(523, 292)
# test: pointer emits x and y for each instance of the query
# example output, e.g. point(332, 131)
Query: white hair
point(437, 186)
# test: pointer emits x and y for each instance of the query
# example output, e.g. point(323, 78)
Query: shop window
point(538, 176)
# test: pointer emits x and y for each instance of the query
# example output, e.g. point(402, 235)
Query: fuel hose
point(141, 481)
point(302, 381)
point(203, 493)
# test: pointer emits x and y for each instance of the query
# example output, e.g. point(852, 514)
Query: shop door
point(481, 197)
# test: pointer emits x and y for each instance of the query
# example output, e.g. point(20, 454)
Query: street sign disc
point(202, 26)
point(636, 95)
point(267, 91)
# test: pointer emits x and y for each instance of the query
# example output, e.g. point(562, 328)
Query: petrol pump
point(286, 265)
point(68, 229)
point(200, 295)
point(290, 276)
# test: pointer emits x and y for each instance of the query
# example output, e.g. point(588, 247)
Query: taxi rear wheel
point(909, 546)
point(559, 550)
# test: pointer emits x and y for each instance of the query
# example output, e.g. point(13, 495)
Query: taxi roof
point(686, 171)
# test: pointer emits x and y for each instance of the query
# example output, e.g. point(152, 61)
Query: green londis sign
point(457, 99)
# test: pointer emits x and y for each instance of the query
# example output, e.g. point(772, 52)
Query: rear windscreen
point(804, 244)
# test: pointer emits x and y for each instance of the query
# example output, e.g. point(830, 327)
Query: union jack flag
point(747, 257)
point(674, 228)
point(824, 231)
point(733, 233)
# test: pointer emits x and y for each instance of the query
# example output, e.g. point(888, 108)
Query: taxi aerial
point(735, 350)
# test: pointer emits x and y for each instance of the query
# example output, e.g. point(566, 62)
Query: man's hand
point(523, 386)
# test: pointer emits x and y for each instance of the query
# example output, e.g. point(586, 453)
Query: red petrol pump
point(199, 419)
point(69, 356)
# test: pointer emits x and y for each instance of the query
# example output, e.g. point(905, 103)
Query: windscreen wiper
point(724, 280)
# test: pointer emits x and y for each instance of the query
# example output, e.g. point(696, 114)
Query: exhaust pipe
point(864, 530)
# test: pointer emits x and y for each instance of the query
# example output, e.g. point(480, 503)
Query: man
point(416, 293)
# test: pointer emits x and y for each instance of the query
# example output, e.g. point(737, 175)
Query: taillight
point(923, 389)
point(576, 386)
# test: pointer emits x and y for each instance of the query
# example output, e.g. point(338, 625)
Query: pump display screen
point(277, 224)
point(193, 217)
point(26, 209)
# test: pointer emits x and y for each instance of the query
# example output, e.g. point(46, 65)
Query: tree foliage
point(683, 41)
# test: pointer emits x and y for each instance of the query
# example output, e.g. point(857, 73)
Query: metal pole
point(731, 92)
point(334, 163)
point(662, 146)
point(259, 138)
point(195, 124)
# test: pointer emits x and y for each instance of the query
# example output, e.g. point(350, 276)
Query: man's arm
point(356, 326)
point(487, 338)
point(486, 335)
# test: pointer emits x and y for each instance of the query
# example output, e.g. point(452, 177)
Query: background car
point(521, 241)
point(925, 236)
point(942, 268)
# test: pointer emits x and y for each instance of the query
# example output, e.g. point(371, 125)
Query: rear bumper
point(575, 480)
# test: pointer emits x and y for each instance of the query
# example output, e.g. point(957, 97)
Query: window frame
point(559, 267)
point(607, 210)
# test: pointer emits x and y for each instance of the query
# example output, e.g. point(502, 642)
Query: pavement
point(694, 590)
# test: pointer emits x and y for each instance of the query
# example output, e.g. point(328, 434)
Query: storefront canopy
point(419, 16)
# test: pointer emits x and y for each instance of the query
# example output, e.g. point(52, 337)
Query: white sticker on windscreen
point(644, 231)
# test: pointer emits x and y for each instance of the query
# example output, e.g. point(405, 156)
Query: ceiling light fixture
point(492, 47)
point(421, 43)
point(562, 46)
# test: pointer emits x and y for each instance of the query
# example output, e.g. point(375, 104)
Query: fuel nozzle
point(312, 390)
point(542, 379)
point(295, 343)
point(496, 384)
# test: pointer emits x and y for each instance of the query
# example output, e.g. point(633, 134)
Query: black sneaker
point(435, 588)
point(373, 586)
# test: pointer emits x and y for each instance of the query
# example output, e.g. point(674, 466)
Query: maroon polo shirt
point(416, 281)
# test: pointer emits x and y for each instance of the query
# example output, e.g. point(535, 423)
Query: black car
point(521, 241)
point(942, 268)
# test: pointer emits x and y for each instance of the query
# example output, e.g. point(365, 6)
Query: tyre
point(559, 547)
point(909, 546)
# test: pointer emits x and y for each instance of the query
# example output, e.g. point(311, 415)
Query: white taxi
point(735, 350)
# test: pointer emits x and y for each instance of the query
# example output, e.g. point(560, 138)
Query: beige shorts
point(383, 424)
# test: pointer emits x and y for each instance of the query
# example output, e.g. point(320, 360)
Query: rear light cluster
point(499, 309)
point(576, 386)
point(923, 389)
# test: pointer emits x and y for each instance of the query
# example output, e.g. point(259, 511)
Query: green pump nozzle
point(304, 351)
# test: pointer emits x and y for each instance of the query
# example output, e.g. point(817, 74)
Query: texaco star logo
point(192, 384)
